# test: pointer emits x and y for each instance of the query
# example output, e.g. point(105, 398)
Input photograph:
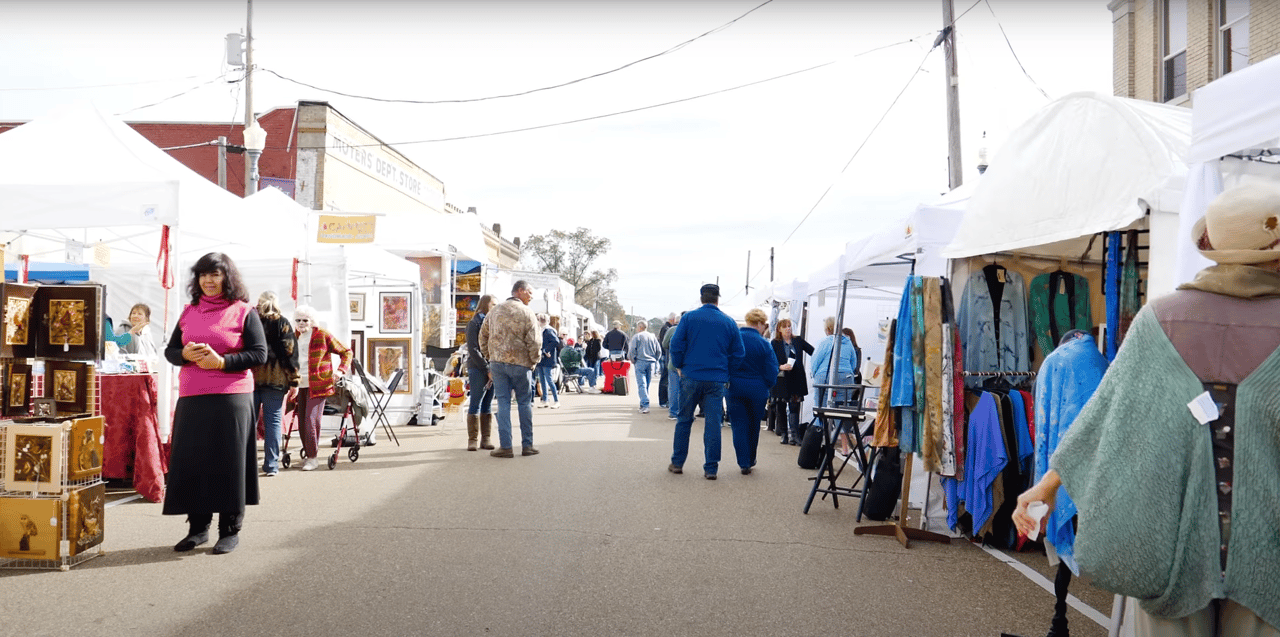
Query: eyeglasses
point(303, 320)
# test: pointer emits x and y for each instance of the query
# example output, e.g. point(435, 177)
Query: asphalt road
point(591, 537)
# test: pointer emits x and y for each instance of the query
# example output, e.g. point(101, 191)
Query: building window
point(1233, 35)
point(1174, 69)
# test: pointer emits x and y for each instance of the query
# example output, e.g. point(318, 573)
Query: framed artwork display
point(17, 389)
point(68, 384)
point(357, 344)
point(43, 408)
point(386, 355)
point(394, 312)
point(29, 528)
point(17, 339)
point(85, 517)
point(355, 301)
point(70, 323)
point(84, 448)
point(33, 458)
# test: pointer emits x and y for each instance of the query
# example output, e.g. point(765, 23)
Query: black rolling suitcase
point(620, 386)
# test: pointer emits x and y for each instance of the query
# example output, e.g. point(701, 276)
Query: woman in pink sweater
point(213, 462)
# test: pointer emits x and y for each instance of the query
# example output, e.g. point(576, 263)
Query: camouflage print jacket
point(509, 335)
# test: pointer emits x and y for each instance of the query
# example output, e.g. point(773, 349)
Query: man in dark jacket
point(615, 341)
point(706, 345)
point(663, 381)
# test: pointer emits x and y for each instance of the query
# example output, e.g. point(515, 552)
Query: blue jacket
point(822, 359)
point(756, 373)
point(550, 348)
point(707, 345)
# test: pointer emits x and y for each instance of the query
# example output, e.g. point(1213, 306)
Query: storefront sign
point(377, 163)
point(340, 229)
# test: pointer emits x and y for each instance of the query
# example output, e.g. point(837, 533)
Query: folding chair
point(380, 397)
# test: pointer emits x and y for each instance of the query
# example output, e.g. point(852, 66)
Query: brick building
point(1166, 49)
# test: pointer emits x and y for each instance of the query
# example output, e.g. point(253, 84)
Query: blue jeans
point(549, 391)
point(481, 396)
point(841, 395)
point(587, 373)
point(644, 374)
point(709, 394)
point(271, 401)
point(673, 394)
point(509, 378)
point(745, 413)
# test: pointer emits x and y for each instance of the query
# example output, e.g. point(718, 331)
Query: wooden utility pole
point(955, 168)
point(250, 186)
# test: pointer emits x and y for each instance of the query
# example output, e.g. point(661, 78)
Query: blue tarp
point(50, 273)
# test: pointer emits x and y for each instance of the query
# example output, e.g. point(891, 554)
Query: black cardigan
point(794, 381)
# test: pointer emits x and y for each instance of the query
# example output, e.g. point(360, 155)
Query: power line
point(75, 88)
point(530, 91)
point(1015, 53)
point(198, 86)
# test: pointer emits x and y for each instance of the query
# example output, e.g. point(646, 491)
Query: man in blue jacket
point(706, 345)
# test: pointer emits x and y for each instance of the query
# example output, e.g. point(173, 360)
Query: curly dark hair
point(233, 287)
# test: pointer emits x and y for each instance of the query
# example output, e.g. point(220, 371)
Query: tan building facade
point(1163, 50)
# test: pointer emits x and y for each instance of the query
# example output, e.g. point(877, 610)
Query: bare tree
point(571, 255)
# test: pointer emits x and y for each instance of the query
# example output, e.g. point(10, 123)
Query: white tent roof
point(1239, 112)
point(115, 176)
point(432, 233)
point(1075, 168)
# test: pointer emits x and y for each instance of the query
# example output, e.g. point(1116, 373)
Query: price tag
point(1204, 409)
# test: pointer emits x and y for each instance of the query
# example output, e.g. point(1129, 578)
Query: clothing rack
point(997, 374)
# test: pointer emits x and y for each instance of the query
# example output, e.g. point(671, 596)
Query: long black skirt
point(213, 463)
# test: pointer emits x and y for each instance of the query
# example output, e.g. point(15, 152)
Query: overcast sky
point(685, 190)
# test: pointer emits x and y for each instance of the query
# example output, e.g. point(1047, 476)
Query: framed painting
point(85, 517)
point(394, 315)
point(17, 339)
point(70, 322)
point(357, 344)
point(355, 303)
point(385, 356)
point(84, 448)
point(33, 458)
point(30, 528)
point(17, 389)
point(43, 408)
point(68, 384)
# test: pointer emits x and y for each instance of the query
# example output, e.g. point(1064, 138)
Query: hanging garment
point(985, 457)
point(904, 380)
point(947, 389)
point(1068, 378)
point(931, 444)
point(993, 322)
point(958, 422)
point(1130, 303)
point(1058, 302)
point(1111, 286)
point(886, 432)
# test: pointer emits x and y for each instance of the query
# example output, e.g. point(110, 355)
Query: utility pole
point(222, 162)
point(250, 184)
point(955, 169)
point(747, 289)
point(771, 265)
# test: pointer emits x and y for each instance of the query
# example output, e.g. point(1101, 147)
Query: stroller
point(358, 397)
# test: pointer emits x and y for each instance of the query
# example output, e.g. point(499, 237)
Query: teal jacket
point(1140, 470)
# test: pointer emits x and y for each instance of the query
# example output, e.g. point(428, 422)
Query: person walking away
point(1173, 472)
point(592, 356)
point(706, 345)
point(749, 384)
point(789, 392)
point(480, 405)
point(549, 356)
point(217, 341)
point(509, 340)
point(615, 341)
point(673, 385)
point(644, 352)
point(273, 378)
point(317, 379)
point(663, 381)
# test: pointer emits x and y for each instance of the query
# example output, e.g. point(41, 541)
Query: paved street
point(592, 537)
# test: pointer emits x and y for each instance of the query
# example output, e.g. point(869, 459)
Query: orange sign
point(346, 229)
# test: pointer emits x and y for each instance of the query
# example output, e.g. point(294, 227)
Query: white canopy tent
point(1085, 163)
point(1236, 115)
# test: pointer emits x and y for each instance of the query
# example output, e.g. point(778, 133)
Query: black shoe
point(709, 476)
point(191, 541)
point(529, 451)
point(674, 469)
point(746, 471)
point(785, 440)
point(226, 544)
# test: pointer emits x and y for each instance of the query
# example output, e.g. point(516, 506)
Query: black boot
point(1058, 627)
point(197, 532)
point(228, 532)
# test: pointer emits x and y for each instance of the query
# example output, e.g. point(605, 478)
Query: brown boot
point(473, 430)
point(486, 424)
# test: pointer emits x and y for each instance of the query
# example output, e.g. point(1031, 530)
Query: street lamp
point(255, 139)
